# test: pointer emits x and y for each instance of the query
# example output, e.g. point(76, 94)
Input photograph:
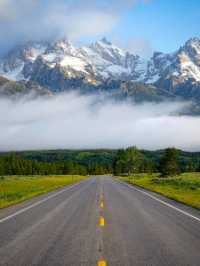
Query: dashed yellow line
point(102, 263)
point(102, 224)
point(102, 204)
point(102, 221)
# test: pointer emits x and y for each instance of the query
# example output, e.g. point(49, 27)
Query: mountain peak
point(194, 39)
point(193, 42)
point(60, 47)
point(105, 41)
point(63, 42)
point(102, 60)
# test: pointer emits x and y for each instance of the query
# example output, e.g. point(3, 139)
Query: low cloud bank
point(75, 122)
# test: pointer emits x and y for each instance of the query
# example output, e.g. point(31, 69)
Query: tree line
point(13, 164)
point(125, 161)
point(131, 160)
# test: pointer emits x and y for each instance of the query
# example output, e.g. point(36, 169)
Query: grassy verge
point(184, 188)
point(14, 189)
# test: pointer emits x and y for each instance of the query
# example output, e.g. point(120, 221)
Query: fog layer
point(72, 121)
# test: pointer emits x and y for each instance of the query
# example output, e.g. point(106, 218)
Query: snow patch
point(15, 74)
point(153, 79)
point(189, 69)
point(49, 57)
point(117, 70)
point(35, 52)
point(74, 62)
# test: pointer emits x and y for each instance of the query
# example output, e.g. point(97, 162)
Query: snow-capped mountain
point(100, 61)
point(60, 65)
point(11, 65)
point(182, 65)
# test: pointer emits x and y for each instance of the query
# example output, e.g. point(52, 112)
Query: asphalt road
point(100, 222)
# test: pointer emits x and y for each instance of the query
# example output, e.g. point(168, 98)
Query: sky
point(141, 26)
point(162, 25)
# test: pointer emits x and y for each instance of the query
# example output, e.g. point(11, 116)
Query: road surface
point(100, 221)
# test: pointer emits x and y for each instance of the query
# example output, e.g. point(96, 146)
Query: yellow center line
point(102, 221)
point(102, 263)
point(102, 204)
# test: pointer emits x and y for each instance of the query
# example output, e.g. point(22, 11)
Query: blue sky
point(164, 24)
point(141, 26)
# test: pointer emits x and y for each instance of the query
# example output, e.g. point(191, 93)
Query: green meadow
point(184, 188)
point(15, 189)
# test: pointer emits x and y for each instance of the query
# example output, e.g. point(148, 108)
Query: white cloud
point(140, 46)
point(87, 24)
point(11, 10)
point(22, 20)
point(72, 121)
point(135, 45)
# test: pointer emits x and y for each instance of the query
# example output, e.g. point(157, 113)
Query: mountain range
point(48, 68)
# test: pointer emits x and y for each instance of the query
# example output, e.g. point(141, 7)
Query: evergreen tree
point(129, 161)
point(169, 162)
point(134, 160)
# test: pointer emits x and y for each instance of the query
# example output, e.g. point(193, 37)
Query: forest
point(98, 162)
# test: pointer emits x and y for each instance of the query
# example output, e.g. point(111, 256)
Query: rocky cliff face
point(18, 89)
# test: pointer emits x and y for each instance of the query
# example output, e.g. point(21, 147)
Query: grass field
point(14, 189)
point(184, 188)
